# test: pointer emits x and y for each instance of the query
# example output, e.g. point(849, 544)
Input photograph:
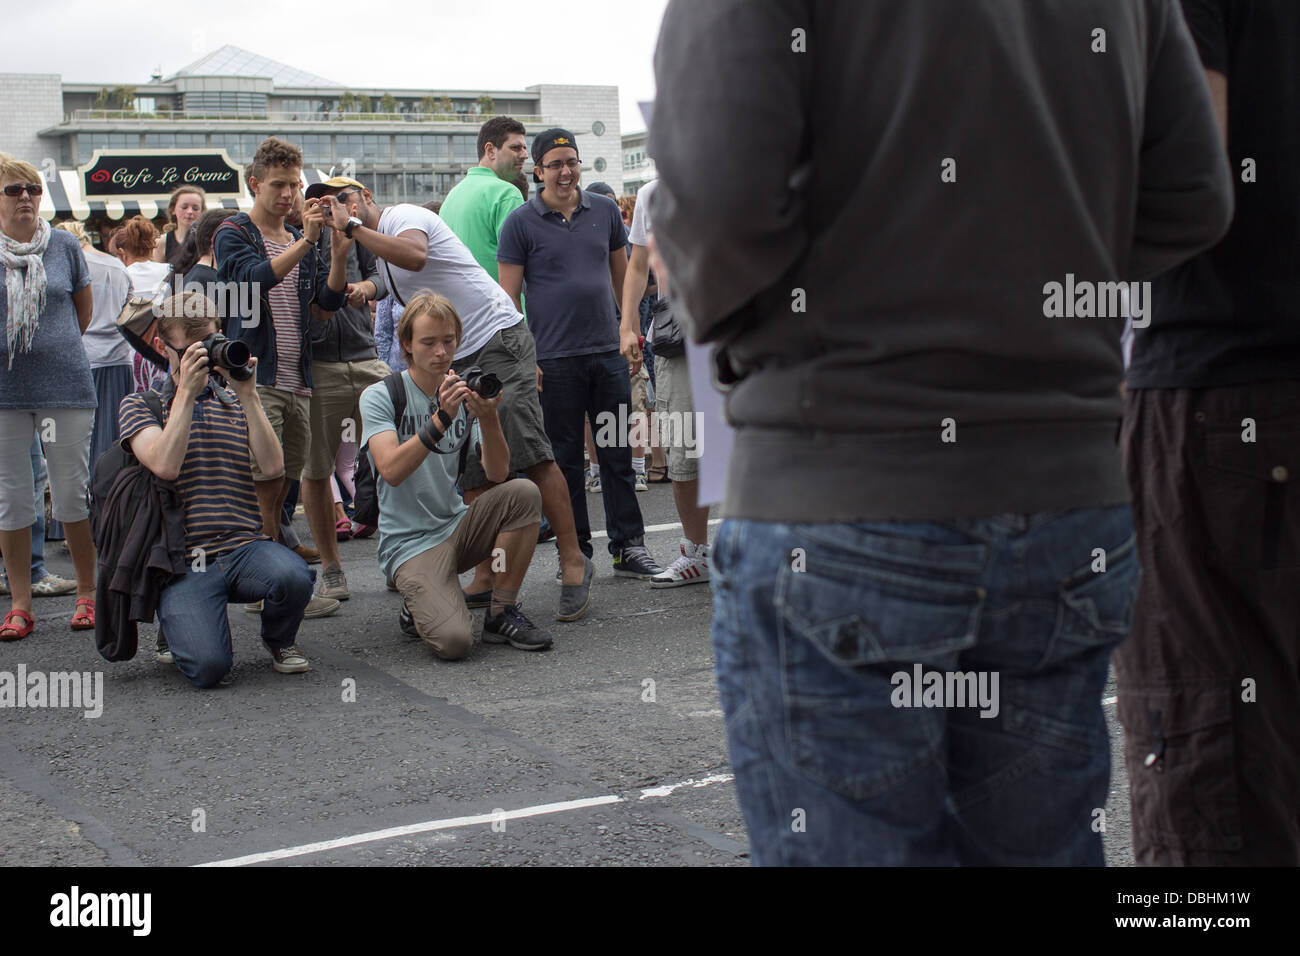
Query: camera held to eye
point(484, 384)
point(230, 354)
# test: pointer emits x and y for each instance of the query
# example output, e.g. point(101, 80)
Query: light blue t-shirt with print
point(423, 511)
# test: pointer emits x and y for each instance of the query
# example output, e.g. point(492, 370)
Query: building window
point(418, 187)
point(444, 182)
point(386, 187)
point(464, 150)
point(298, 109)
point(240, 146)
point(426, 150)
point(368, 149)
point(316, 147)
point(87, 143)
point(159, 140)
point(224, 102)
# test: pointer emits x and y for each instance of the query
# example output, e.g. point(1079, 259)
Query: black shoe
point(407, 623)
point(511, 627)
point(635, 562)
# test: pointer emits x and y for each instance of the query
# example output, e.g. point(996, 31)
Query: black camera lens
point(231, 355)
point(484, 384)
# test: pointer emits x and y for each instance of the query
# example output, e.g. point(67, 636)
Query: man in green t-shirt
point(478, 205)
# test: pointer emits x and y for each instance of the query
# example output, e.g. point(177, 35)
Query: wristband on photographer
point(429, 435)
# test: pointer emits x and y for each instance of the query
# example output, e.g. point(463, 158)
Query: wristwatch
point(353, 222)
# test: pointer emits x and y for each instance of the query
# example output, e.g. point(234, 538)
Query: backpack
point(365, 496)
point(111, 463)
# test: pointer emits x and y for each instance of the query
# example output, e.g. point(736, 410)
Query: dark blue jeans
point(192, 610)
point(829, 639)
point(576, 388)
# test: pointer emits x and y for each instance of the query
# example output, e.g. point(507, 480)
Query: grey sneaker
point(52, 586)
point(334, 584)
point(321, 606)
point(641, 483)
point(288, 660)
point(161, 652)
point(513, 628)
point(635, 562)
point(576, 598)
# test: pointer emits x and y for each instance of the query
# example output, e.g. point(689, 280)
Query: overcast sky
point(417, 44)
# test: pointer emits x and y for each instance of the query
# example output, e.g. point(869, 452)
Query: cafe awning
point(63, 199)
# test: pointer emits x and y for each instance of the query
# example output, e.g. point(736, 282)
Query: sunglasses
point(14, 190)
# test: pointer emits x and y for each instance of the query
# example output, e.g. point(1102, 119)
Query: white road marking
point(1106, 701)
point(430, 826)
point(702, 782)
point(715, 712)
point(414, 828)
point(651, 529)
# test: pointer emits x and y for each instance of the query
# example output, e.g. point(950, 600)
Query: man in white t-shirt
point(419, 252)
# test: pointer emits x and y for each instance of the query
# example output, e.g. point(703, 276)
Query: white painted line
point(702, 782)
point(1106, 701)
point(705, 713)
point(414, 828)
point(651, 529)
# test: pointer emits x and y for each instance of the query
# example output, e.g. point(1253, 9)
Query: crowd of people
point(932, 468)
point(363, 328)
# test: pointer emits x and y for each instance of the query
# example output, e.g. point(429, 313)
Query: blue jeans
point(583, 386)
point(825, 635)
point(192, 611)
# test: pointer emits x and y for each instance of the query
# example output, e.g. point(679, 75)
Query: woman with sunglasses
point(45, 388)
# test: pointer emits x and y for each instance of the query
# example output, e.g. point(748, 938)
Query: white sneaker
point(692, 567)
point(641, 483)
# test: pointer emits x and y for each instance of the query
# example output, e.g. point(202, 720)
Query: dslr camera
point(231, 355)
point(484, 384)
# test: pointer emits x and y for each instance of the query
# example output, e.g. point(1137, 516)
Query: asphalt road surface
point(607, 749)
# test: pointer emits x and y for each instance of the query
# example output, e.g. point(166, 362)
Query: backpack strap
point(397, 392)
point(154, 401)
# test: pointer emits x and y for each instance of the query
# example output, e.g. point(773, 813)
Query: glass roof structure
point(235, 61)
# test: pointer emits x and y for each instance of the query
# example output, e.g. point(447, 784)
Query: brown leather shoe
point(310, 555)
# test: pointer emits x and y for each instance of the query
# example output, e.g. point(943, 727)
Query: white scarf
point(25, 286)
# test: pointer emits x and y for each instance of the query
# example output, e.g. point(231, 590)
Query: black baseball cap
point(548, 139)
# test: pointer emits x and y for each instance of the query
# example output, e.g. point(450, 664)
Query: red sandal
point(84, 619)
point(16, 633)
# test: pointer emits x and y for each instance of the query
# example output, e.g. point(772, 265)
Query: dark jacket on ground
point(240, 254)
point(349, 335)
point(802, 149)
point(141, 550)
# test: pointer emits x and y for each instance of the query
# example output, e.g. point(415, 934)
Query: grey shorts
point(676, 426)
point(511, 356)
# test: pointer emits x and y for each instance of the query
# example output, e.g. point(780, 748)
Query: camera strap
point(392, 285)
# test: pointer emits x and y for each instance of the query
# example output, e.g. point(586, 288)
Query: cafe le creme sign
point(155, 173)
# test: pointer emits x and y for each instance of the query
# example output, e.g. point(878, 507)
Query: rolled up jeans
point(829, 640)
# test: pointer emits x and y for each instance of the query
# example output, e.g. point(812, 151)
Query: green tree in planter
point(445, 108)
point(485, 105)
point(427, 106)
point(388, 104)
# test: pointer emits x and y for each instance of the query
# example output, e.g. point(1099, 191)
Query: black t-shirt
point(1231, 316)
point(201, 276)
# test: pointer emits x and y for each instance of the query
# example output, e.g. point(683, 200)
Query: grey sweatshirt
point(866, 205)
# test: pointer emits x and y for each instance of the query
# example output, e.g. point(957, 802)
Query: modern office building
point(409, 145)
point(638, 167)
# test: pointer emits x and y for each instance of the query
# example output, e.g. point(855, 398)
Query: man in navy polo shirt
point(568, 245)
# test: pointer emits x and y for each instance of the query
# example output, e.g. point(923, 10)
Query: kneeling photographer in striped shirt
point(204, 444)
